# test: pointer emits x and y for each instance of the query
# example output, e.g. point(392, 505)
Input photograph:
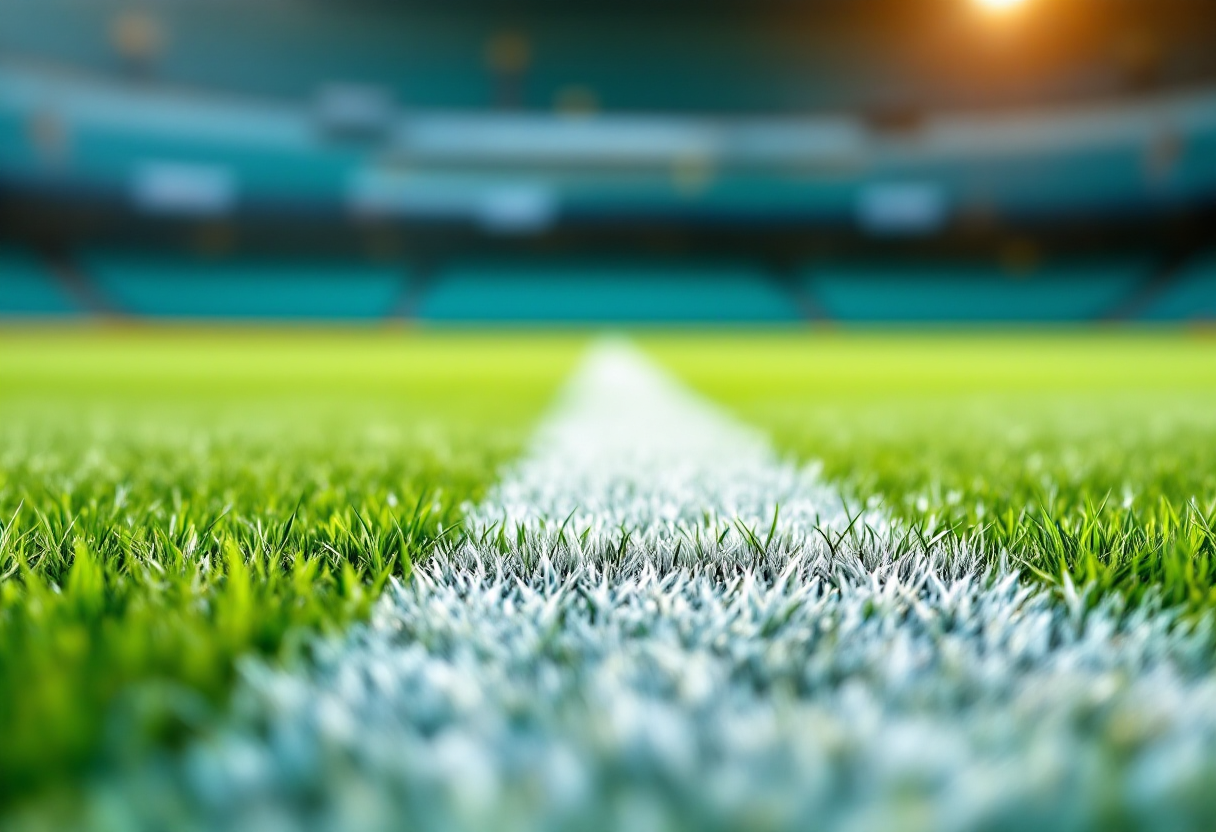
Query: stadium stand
point(595, 291)
point(159, 153)
point(28, 288)
point(246, 288)
point(114, 139)
point(743, 135)
point(904, 292)
point(1191, 296)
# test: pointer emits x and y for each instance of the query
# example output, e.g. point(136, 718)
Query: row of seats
point(142, 284)
point(575, 291)
point(29, 288)
point(642, 292)
point(1191, 297)
point(1055, 292)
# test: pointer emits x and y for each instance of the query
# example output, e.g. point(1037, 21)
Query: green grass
point(1087, 455)
point(171, 501)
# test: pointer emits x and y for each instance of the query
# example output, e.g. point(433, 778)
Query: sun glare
point(999, 5)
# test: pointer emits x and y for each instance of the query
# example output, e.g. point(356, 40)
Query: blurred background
point(567, 161)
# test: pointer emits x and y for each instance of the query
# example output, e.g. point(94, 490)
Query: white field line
point(610, 651)
point(628, 447)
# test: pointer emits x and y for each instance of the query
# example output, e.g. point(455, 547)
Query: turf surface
point(1092, 455)
point(172, 501)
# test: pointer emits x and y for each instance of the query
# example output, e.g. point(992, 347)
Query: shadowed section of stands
point(901, 292)
point(245, 288)
point(142, 285)
point(1191, 296)
point(597, 292)
point(28, 288)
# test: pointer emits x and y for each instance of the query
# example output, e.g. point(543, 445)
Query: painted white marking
point(627, 448)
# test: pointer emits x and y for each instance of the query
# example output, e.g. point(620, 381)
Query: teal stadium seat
point(247, 288)
point(27, 288)
point(1191, 297)
point(926, 293)
point(595, 292)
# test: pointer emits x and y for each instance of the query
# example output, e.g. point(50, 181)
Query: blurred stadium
point(571, 161)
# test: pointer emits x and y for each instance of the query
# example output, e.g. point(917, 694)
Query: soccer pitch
point(357, 581)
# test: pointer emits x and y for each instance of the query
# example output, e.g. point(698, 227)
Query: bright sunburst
point(999, 5)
